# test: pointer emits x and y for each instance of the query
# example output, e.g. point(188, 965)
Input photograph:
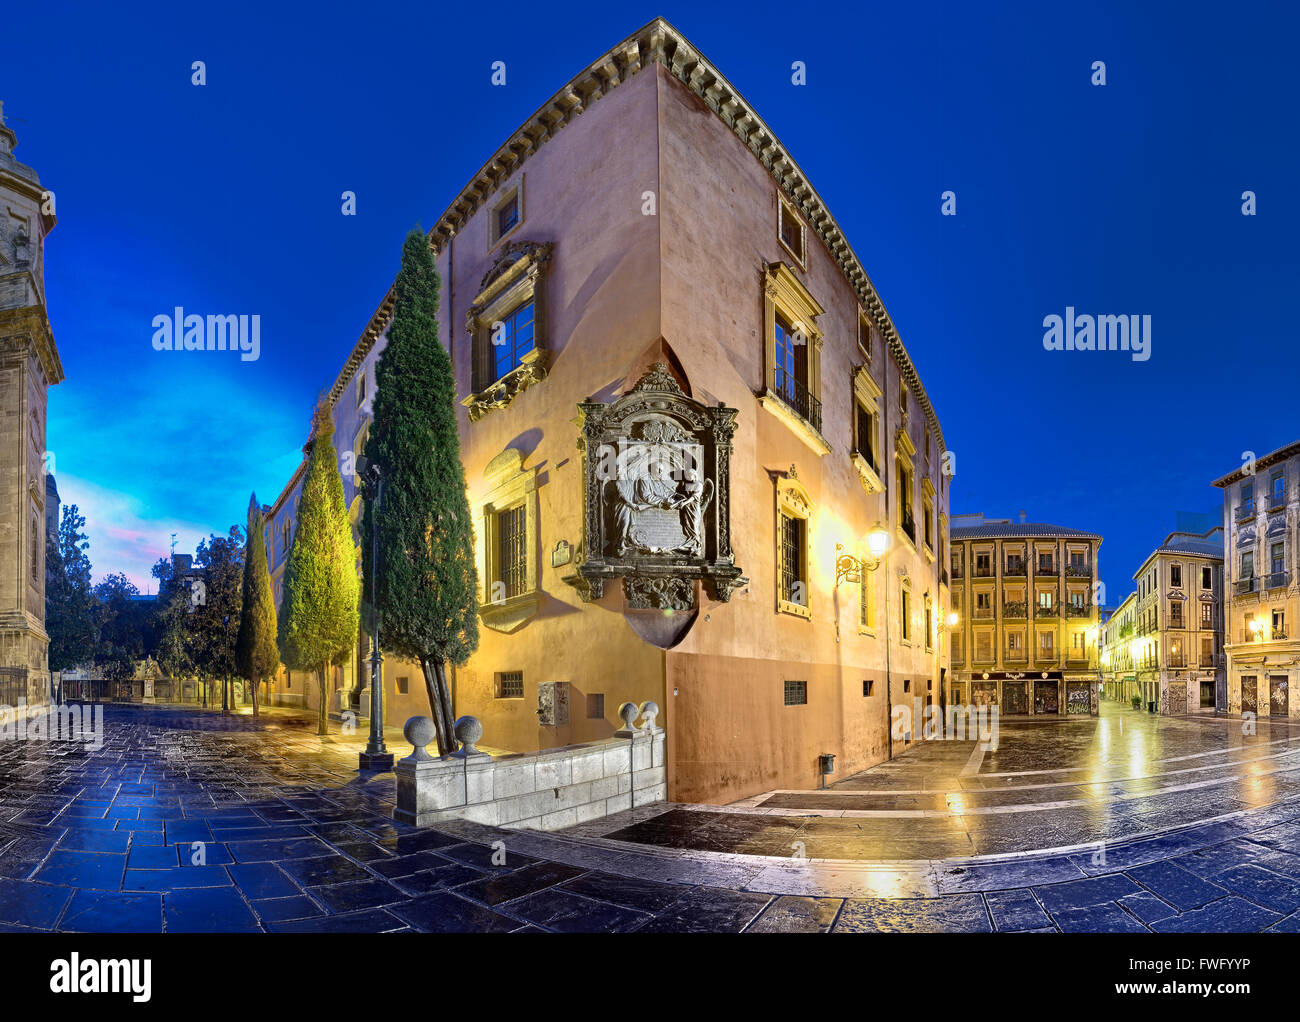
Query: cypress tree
point(318, 618)
point(427, 585)
point(256, 654)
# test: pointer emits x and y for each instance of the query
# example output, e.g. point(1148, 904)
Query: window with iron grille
point(792, 560)
point(595, 705)
point(510, 685)
point(866, 432)
point(867, 686)
point(796, 693)
point(790, 380)
point(513, 550)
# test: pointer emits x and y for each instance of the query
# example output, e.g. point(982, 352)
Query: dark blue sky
point(1119, 199)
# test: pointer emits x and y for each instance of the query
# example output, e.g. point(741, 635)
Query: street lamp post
point(376, 757)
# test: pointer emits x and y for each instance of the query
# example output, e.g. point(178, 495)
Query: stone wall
point(546, 790)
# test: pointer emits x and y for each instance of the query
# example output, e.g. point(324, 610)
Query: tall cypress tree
point(427, 590)
point(256, 654)
point(318, 611)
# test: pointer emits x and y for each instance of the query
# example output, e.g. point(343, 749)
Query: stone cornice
point(31, 322)
point(660, 43)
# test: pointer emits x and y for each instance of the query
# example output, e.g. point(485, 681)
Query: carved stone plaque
point(656, 469)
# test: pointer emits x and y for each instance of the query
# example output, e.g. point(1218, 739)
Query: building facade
point(1115, 652)
point(29, 366)
point(684, 408)
point(1026, 599)
point(1261, 510)
point(1177, 644)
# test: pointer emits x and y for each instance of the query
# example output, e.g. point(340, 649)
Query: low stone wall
point(545, 790)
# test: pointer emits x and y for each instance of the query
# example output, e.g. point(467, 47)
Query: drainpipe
point(889, 476)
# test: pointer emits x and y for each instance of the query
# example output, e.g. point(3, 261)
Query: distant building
point(1261, 514)
point(1027, 630)
point(1115, 652)
point(51, 507)
point(1177, 643)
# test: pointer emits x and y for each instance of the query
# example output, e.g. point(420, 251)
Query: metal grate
point(791, 559)
point(796, 693)
point(513, 552)
point(510, 685)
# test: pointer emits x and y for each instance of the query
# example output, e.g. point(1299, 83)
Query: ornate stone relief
point(656, 469)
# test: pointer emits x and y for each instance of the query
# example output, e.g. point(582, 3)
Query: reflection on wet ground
point(188, 821)
point(1064, 784)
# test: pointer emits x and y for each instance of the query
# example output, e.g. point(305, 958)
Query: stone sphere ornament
point(649, 711)
point(627, 713)
point(419, 731)
point(468, 731)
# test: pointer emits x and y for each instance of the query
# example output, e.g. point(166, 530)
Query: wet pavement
point(187, 821)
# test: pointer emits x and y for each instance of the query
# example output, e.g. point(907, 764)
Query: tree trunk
point(322, 722)
point(254, 684)
point(435, 683)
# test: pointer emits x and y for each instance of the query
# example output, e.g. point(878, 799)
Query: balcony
point(985, 571)
point(957, 575)
point(1015, 569)
point(1045, 612)
point(1245, 585)
point(1074, 611)
point(1277, 634)
point(1045, 656)
point(1046, 569)
point(1079, 570)
point(1016, 609)
point(983, 613)
point(1246, 509)
point(908, 525)
point(1176, 661)
point(1277, 580)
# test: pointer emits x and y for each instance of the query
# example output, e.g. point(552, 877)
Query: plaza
point(188, 821)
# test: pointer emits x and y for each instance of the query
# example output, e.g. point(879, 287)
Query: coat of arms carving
point(656, 471)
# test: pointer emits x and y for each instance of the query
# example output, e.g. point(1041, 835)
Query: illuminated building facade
point(1027, 631)
point(686, 305)
point(1115, 652)
point(1261, 513)
point(1176, 647)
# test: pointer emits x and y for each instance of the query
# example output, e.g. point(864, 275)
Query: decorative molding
point(656, 471)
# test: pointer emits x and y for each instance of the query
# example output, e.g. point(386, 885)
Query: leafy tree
point(70, 619)
point(120, 618)
point(427, 585)
point(318, 618)
point(256, 655)
point(214, 615)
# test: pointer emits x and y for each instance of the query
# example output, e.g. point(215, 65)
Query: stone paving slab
point(291, 839)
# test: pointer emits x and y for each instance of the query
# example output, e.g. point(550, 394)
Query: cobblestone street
point(1124, 823)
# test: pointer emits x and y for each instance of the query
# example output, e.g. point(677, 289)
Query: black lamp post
point(376, 757)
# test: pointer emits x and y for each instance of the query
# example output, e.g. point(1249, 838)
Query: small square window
point(595, 705)
point(402, 684)
point(867, 686)
point(796, 693)
point(510, 685)
point(907, 685)
point(864, 336)
point(506, 215)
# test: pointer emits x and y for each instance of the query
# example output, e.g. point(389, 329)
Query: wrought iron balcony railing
point(1245, 585)
point(1245, 509)
point(1046, 612)
point(1071, 610)
point(1014, 569)
point(796, 394)
point(1079, 570)
point(1048, 568)
point(1277, 580)
point(1015, 609)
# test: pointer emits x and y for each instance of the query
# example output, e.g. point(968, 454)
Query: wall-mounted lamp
point(953, 618)
point(850, 568)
